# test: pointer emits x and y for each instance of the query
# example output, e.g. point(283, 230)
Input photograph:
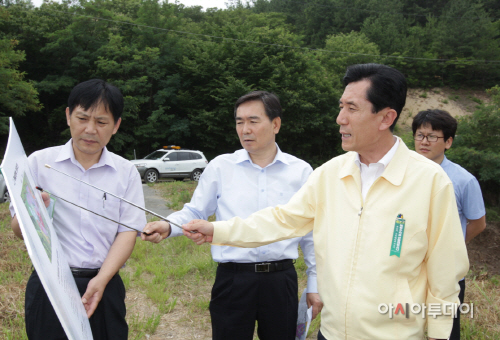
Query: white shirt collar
point(384, 160)
point(67, 152)
point(372, 171)
point(243, 156)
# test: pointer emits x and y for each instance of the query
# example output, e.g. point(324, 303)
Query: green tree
point(148, 90)
point(317, 19)
point(477, 143)
point(215, 73)
point(17, 96)
point(388, 28)
point(411, 33)
point(465, 32)
point(347, 49)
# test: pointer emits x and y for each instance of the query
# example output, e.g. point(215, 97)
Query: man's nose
point(246, 128)
point(341, 118)
point(91, 127)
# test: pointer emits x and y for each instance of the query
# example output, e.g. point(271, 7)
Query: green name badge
point(397, 236)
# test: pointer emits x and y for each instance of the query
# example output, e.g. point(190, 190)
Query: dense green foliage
point(477, 143)
point(17, 96)
point(462, 34)
point(179, 87)
point(181, 69)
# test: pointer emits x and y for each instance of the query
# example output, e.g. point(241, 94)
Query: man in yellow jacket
point(388, 242)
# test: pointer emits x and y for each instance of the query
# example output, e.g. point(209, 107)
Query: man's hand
point(118, 253)
point(204, 231)
point(93, 294)
point(159, 231)
point(314, 300)
point(46, 199)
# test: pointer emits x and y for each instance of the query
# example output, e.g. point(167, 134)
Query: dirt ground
point(456, 102)
point(484, 251)
point(178, 324)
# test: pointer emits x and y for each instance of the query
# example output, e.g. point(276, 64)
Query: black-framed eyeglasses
point(430, 138)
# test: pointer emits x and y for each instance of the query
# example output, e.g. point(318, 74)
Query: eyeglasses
point(430, 138)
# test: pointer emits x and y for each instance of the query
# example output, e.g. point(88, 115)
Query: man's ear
point(117, 125)
point(276, 125)
point(388, 118)
point(68, 115)
point(448, 143)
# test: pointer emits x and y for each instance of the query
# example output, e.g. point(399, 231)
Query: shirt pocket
point(283, 196)
point(109, 208)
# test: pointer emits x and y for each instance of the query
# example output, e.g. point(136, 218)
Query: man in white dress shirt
point(95, 248)
point(257, 284)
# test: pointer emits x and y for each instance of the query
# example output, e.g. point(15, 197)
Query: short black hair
point(439, 120)
point(270, 100)
point(91, 93)
point(388, 86)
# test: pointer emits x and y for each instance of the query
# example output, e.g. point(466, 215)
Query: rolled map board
point(42, 242)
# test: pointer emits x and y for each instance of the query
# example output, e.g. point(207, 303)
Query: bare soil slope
point(484, 250)
point(456, 102)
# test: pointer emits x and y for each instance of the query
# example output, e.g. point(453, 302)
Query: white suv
point(171, 162)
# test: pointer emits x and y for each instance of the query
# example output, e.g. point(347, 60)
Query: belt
point(259, 267)
point(84, 272)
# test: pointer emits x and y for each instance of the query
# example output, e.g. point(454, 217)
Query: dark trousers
point(320, 336)
point(455, 332)
point(107, 322)
point(241, 298)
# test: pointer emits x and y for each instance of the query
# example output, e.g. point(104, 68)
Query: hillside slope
point(456, 102)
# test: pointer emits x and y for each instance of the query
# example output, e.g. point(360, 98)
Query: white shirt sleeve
point(203, 203)
point(307, 246)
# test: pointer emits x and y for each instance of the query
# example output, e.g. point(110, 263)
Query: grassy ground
point(193, 265)
point(168, 286)
point(15, 269)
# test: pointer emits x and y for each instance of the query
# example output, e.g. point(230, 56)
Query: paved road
point(155, 202)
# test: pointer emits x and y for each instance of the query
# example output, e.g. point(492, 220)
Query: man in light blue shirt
point(95, 248)
point(251, 284)
point(433, 131)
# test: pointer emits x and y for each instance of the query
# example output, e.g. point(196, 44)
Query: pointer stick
point(109, 193)
point(120, 198)
point(126, 226)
